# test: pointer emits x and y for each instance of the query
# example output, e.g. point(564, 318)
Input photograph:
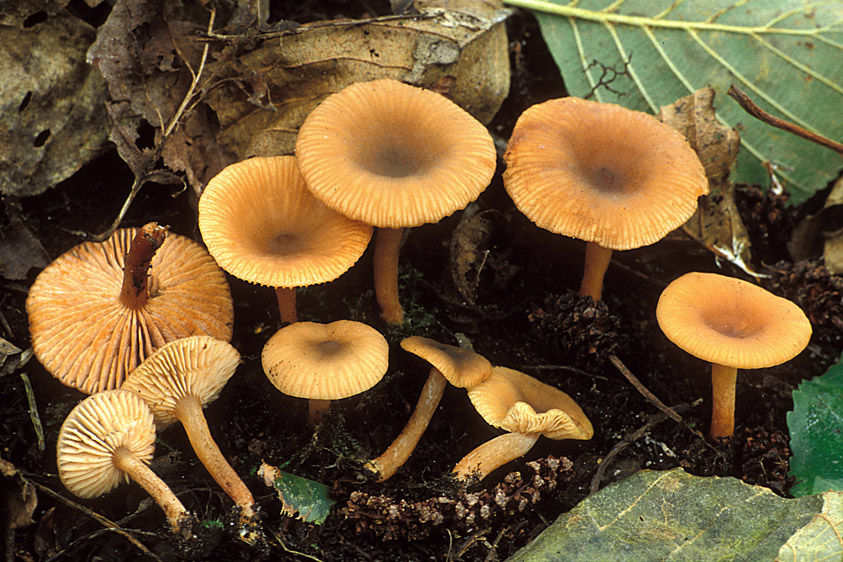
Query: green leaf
point(821, 538)
point(643, 54)
point(672, 515)
point(816, 434)
point(301, 497)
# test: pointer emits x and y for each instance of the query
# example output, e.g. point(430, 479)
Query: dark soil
point(520, 313)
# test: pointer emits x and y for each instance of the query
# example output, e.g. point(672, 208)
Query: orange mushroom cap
point(462, 368)
point(393, 155)
point(601, 173)
point(325, 361)
point(198, 366)
point(93, 431)
point(87, 338)
point(519, 403)
point(731, 322)
point(262, 225)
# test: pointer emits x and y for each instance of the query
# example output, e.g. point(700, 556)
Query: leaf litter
point(140, 123)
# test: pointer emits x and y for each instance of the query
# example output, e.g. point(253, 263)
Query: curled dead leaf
point(20, 497)
point(265, 94)
point(51, 118)
point(717, 223)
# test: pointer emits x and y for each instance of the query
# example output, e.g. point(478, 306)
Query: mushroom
point(461, 367)
point(110, 437)
point(263, 226)
point(616, 178)
point(324, 362)
point(98, 310)
point(527, 409)
point(734, 325)
point(177, 381)
point(393, 156)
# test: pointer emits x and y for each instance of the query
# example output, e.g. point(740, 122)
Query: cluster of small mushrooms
point(157, 312)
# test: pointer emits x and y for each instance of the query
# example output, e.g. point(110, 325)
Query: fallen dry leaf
point(20, 497)
point(475, 254)
point(51, 118)
point(456, 47)
point(148, 54)
point(833, 248)
point(20, 249)
point(717, 223)
point(20, 13)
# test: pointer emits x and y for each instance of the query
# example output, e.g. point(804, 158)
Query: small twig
point(629, 440)
point(643, 390)
point(196, 76)
point(33, 412)
point(562, 368)
point(750, 107)
point(8, 328)
point(141, 178)
point(620, 446)
point(104, 521)
point(291, 551)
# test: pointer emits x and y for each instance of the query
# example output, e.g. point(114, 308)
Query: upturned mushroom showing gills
point(526, 408)
point(616, 178)
point(262, 225)
point(461, 367)
point(734, 325)
point(177, 381)
point(324, 362)
point(98, 310)
point(110, 437)
point(393, 156)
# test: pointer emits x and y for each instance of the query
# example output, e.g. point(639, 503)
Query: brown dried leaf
point(20, 497)
point(14, 13)
point(20, 250)
point(265, 94)
point(833, 233)
point(51, 118)
point(473, 253)
point(717, 223)
point(146, 50)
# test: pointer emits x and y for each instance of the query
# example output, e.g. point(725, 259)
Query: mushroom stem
point(135, 291)
point(494, 454)
point(138, 471)
point(189, 412)
point(597, 260)
point(387, 246)
point(316, 410)
point(402, 447)
point(723, 380)
point(287, 304)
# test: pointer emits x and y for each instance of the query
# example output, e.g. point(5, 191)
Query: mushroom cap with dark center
point(462, 368)
point(393, 155)
point(198, 366)
point(88, 339)
point(731, 322)
point(93, 431)
point(519, 403)
point(262, 225)
point(325, 361)
point(601, 173)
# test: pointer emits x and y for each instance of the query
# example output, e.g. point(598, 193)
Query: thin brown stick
point(627, 441)
point(149, 174)
point(104, 521)
point(750, 107)
point(643, 390)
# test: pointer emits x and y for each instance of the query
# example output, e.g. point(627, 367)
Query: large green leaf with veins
point(787, 55)
point(816, 434)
